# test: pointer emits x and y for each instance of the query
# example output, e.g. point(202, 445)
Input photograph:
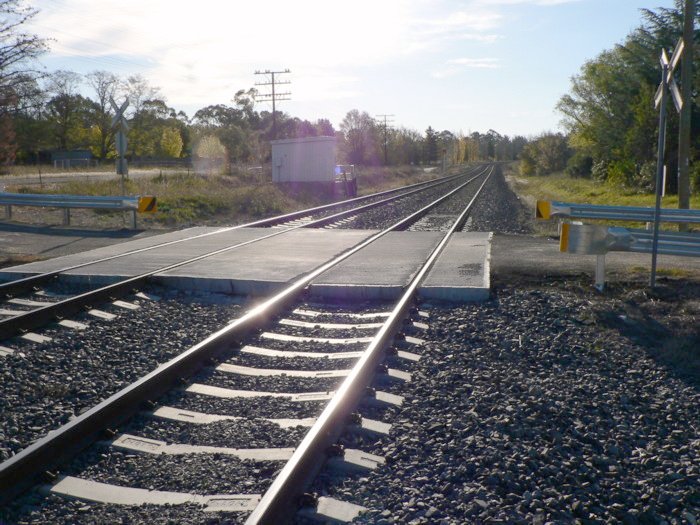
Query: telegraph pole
point(273, 96)
point(686, 111)
point(386, 140)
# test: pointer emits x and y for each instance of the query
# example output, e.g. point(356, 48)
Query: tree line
point(41, 113)
point(609, 116)
point(66, 111)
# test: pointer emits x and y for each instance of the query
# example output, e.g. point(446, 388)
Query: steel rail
point(55, 311)
point(22, 469)
point(279, 503)
point(8, 289)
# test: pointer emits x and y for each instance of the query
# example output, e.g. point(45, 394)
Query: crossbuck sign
point(667, 80)
point(119, 122)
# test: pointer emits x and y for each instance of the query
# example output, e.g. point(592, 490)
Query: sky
point(460, 65)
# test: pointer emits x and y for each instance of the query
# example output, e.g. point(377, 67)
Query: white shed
point(309, 159)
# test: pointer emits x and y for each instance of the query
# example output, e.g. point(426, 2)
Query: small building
point(309, 159)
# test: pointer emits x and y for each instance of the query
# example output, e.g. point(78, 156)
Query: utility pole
point(273, 95)
point(386, 135)
point(686, 111)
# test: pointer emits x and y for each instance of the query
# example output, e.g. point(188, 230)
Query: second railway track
point(329, 345)
point(38, 311)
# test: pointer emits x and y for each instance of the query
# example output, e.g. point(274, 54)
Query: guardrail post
point(66, 216)
point(133, 219)
point(600, 272)
point(8, 212)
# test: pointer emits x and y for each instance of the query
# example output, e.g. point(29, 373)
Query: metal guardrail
point(553, 210)
point(66, 202)
point(598, 240)
point(594, 239)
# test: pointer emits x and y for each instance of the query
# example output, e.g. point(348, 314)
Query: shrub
point(599, 170)
point(621, 172)
point(579, 165)
point(527, 167)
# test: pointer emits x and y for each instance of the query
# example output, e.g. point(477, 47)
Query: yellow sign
point(544, 210)
point(147, 204)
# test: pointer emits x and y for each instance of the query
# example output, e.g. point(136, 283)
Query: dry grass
point(186, 198)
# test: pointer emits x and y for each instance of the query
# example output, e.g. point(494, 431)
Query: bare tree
point(17, 50)
point(106, 86)
point(64, 105)
point(358, 134)
point(139, 92)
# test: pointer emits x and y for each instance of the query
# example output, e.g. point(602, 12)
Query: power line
point(386, 124)
point(273, 95)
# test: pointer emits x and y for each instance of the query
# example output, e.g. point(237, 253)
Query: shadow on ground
point(122, 233)
point(663, 322)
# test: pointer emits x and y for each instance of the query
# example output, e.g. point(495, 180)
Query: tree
point(304, 128)
point(431, 145)
point(105, 86)
point(143, 137)
point(17, 51)
point(31, 129)
point(231, 125)
point(405, 146)
point(548, 153)
point(609, 111)
point(171, 142)
point(67, 111)
point(358, 134)
point(324, 128)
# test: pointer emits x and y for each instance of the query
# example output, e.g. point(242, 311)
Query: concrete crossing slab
point(462, 271)
point(381, 271)
point(265, 266)
point(66, 261)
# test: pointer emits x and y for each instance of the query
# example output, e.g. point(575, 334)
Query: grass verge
point(186, 198)
point(561, 187)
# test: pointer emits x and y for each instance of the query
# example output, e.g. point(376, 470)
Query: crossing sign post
point(667, 85)
point(120, 143)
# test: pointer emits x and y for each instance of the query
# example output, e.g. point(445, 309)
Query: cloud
point(204, 51)
point(481, 63)
point(457, 65)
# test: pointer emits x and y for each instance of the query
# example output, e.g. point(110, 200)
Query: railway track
point(242, 380)
point(22, 314)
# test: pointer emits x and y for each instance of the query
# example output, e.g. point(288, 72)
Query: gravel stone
point(531, 408)
point(41, 387)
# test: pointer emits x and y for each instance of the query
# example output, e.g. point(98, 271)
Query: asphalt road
point(45, 242)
